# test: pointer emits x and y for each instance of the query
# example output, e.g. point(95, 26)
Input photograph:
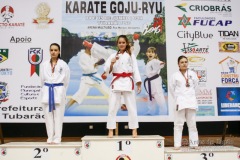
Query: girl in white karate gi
point(183, 84)
point(99, 52)
point(153, 83)
point(55, 75)
point(123, 66)
point(90, 78)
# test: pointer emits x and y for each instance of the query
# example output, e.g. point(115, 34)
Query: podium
point(123, 148)
point(204, 153)
point(40, 151)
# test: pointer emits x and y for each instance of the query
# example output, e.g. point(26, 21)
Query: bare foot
point(124, 107)
point(195, 147)
point(177, 148)
point(134, 133)
point(110, 133)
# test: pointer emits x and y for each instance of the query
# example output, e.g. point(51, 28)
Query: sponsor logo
point(4, 93)
point(7, 14)
point(42, 12)
point(192, 48)
point(210, 21)
point(194, 35)
point(21, 39)
point(228, 46)
point(210, 0)
point(228, 35)
point(229, 75)
point(231, 95)
point(211, 8)
point(123, 157)
point(181, 7)
point(3, 55)
point(184, 21)
point(35, 57)
point(228, 101)
point(205, 97)
point(196, 59)
point(5, 71)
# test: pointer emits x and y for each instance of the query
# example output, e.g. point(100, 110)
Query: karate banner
point(101, 22)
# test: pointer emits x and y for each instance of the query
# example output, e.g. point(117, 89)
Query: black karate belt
point(149, 85)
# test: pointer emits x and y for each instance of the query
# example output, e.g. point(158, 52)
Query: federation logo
point(184, 21)
point(3, 55)
point(3, 92)
point(43, 11)
point(7, 13)
point(3, 152)
point(181, 7)
point(35, 57)
point(123, 157)
point(229, 47)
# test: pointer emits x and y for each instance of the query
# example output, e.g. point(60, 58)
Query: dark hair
point(55, 44)
point(128, 50)
point(181, 57)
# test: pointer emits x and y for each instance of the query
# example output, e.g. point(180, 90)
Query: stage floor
point(204, 140)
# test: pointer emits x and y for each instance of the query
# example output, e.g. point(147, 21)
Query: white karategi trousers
point(130, 101)
point(54, 121)
point(190, 116)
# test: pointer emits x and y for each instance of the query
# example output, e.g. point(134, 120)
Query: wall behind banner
point(207, 32)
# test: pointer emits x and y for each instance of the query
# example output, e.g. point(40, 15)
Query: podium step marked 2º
point(40, 151)
point(123, 148)
point(204, 153)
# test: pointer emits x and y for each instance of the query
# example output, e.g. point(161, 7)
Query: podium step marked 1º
point(40, 151)
point(123, 148)
point(204, 153)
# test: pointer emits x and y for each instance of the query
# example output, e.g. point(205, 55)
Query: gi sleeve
point(136, 74)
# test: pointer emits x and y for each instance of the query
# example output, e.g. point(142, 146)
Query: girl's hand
point(139, 87)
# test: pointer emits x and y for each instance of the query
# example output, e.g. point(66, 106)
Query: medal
point(186, 78)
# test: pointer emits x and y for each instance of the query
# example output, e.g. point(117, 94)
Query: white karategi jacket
point(185, 97)
point(60, 75)
point(127, 64)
